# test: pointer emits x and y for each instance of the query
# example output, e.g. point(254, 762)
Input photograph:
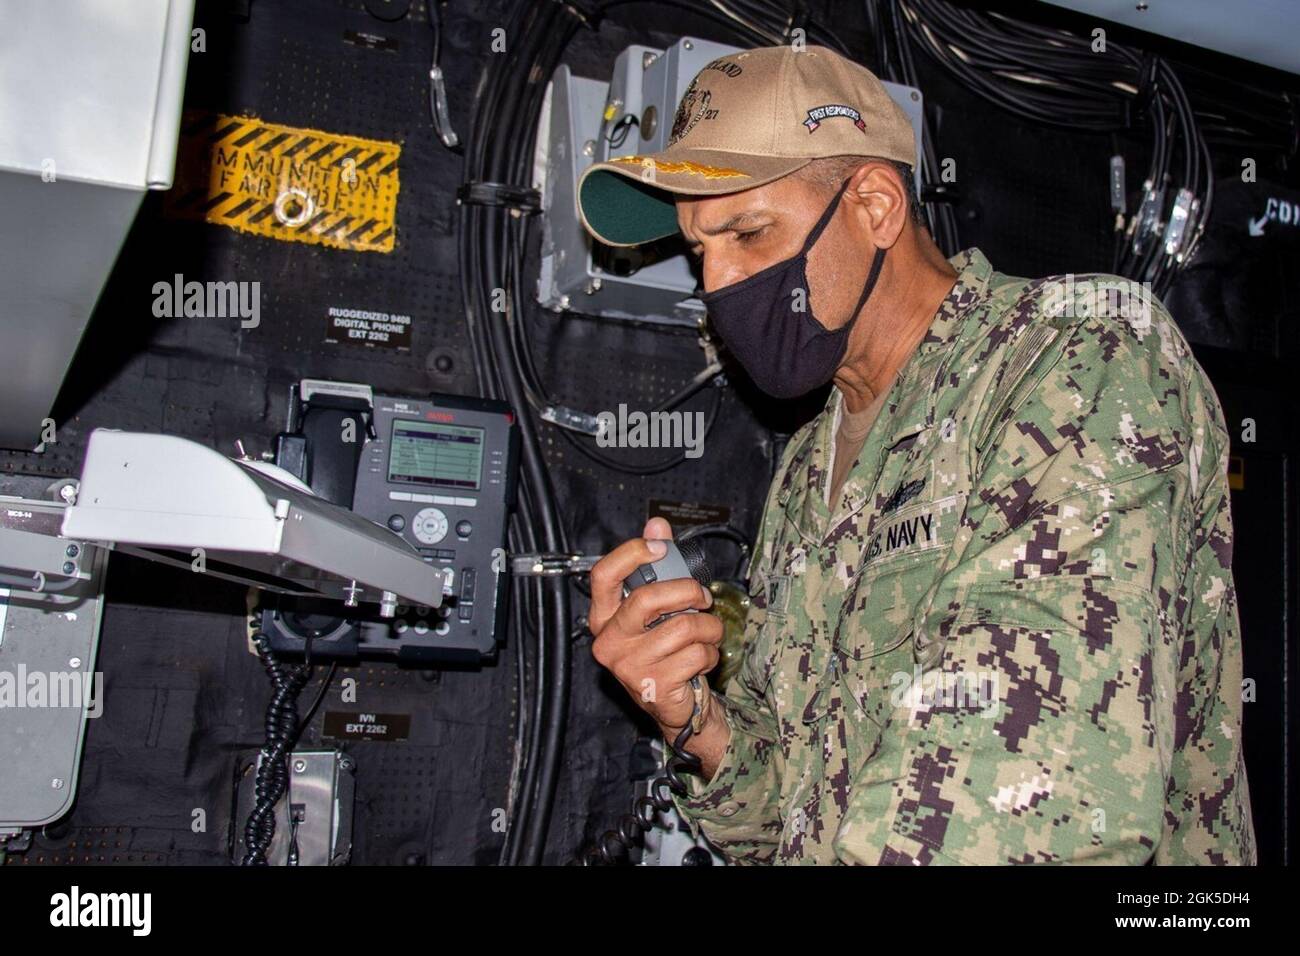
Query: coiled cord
point(612, 847)
point(287, 682)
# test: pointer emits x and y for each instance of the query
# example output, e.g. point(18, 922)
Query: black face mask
point(786, 352)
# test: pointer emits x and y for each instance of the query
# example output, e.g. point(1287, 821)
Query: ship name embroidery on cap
point(727, 67)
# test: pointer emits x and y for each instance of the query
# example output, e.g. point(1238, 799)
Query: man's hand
point(655, 664)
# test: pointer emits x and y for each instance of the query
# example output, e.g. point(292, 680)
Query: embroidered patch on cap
point(695, 169)
point(819, 113)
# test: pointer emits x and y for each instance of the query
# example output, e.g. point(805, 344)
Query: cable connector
point(1176, 232)
point(584, 423)
point(551, 564)
point(1192, 234)
point(1148, 216)
point(1117, 190)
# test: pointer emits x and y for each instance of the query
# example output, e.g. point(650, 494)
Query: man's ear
point(884, 200)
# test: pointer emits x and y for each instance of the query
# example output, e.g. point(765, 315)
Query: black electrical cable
point(516, 317)
point(582, 584)
point(611, 848)
point(523, 540)
point(320, 696)
point(272, 777)
point(1051, 76)
point(435, 24)
point(718, 530)
point(731, 10)
point(533, 604)
point(543, 717)
point(752, 27)
point(523, 708)
point(743, 32)
point(941, 218)
point(675, 460)
point(508, 101)
point(524, 694)
point(617, 135)
point(474, 277)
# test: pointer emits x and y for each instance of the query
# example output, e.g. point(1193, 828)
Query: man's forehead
point(711, 222)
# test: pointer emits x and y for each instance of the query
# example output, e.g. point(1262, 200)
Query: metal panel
point(48, 689)
point(90, 101)
point(314, 818)
point(1260, 30)
point(639, 283)
point(161, 491)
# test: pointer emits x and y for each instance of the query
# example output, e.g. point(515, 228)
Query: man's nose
point(716, 272)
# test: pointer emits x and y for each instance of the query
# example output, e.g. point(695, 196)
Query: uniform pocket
point(1040, 727)
point(764, 633)
point(876, 623)
point(762, 655)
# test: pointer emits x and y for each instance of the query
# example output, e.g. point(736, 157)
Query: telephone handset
point(683, 560)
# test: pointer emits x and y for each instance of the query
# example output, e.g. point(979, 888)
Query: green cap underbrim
point(624, 211)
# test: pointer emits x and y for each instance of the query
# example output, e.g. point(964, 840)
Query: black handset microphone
point(682, 560)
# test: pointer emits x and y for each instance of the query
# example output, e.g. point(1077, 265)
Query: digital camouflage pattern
point(1014, 636)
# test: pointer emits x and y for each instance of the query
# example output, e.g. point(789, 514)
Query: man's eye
point(750, 236)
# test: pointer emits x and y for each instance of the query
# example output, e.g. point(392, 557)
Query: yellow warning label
point(299, 185)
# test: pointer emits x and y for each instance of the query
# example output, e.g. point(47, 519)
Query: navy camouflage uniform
point(1013, 636)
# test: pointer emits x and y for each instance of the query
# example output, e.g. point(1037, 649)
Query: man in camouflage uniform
point(1005, 631)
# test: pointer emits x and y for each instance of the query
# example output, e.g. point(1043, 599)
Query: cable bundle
point(1055, 78)
point(499, 154)
point(755, 22)
point(894, 62)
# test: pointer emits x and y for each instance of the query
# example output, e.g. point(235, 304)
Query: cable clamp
point(523, 198)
